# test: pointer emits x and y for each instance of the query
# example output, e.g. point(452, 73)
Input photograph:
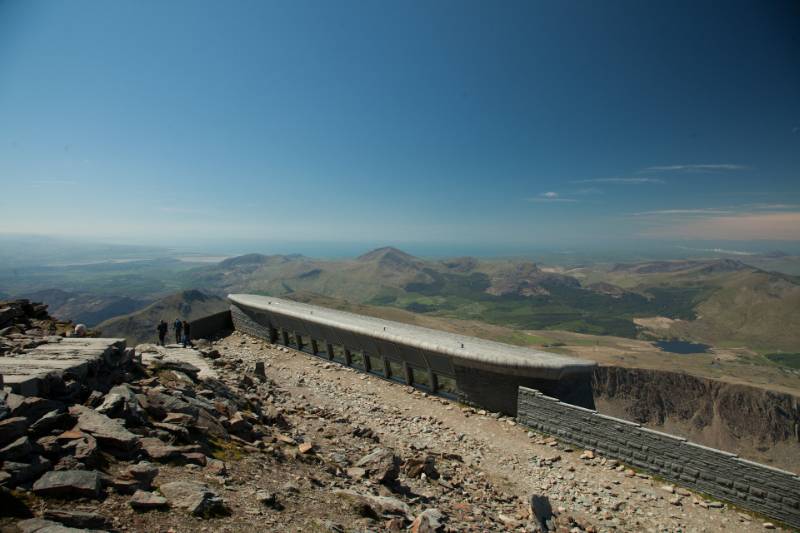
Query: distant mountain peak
point(254, 260)
point(387, 254)
point(247, 259)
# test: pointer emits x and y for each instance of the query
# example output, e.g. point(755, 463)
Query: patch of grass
point(226, 450)
point(565, 308)
point(789, 360)
point(523, 339)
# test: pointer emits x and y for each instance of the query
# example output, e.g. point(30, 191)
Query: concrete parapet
point(475, 371)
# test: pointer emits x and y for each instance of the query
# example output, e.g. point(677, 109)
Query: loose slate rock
point(428, 521)
point(382, 465)
point(79, 519)
point(32, 408)
point(143, 472)
point(68, 484)
point(50, 421)
point(40, 525)
point(18, 450)
point(12, 428)
point(197, 498)
point(147, 501)
point(24, 472)
point(375, 506)
point(108, 432)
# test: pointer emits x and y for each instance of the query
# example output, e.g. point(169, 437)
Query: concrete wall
point(439, 373)
point(772, 492)
point(211, 325)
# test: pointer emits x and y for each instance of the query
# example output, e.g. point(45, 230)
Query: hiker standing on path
point(186, 334)
point(178, 325)
point(162, 332)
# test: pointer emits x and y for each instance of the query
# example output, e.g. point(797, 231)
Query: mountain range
point(721, 301)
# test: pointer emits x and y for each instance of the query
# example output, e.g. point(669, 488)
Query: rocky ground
point(239, 435)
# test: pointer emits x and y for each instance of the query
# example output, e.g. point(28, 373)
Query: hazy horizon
point(41, 250)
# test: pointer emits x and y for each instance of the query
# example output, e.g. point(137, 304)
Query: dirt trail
point(507, 455)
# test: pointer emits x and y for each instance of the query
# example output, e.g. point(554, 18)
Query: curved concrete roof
point(469, 351)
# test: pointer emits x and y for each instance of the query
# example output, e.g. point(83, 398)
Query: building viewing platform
point(477, 370)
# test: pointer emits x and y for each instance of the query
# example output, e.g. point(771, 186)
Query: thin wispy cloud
point(775, 207)
point(551, 197)
point(690, 212)
point(622, 181)
point(716, 211)
point(718, 167)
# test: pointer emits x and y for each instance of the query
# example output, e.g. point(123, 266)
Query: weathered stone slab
point(68, 484)
point(78, 519)
point(147, 501)
point(40, 525)
point(187, 360)
point(28, 373)
point(196, 498)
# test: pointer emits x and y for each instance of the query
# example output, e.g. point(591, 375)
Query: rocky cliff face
point(755, 423)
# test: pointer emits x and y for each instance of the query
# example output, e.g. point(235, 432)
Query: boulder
point(179, 432)
point(68, 484)
point(414, 468)
point(85, 450)
point(216, 467)
point(40, 525)
point(428, 521)
point(268, 499)
point(158, 404)
point(382, 465)
point(51, 421)
point(179, 366)
point(109, 433)
point(142, 472)
point(158, 451)
point(259, 371)
point(371, 506)
point(78, 519)
point(147, 501)
point(32, 408)
point(33, 467)
point(196, 498)
point(12, 428)
point(179, 419)
point(238, 426)
point(273, 417)
point(541, 511)
point(134, 478)
point(19, 450)
point(210, 425)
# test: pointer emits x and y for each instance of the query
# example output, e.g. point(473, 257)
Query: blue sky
point(453, 122)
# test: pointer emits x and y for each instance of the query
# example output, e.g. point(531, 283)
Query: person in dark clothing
point(162, 332)
point(187, 339)
point(178, 326)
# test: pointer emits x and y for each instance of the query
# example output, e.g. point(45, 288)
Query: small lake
point(682, 347)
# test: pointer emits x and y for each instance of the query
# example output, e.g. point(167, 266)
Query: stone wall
point(760, 488)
